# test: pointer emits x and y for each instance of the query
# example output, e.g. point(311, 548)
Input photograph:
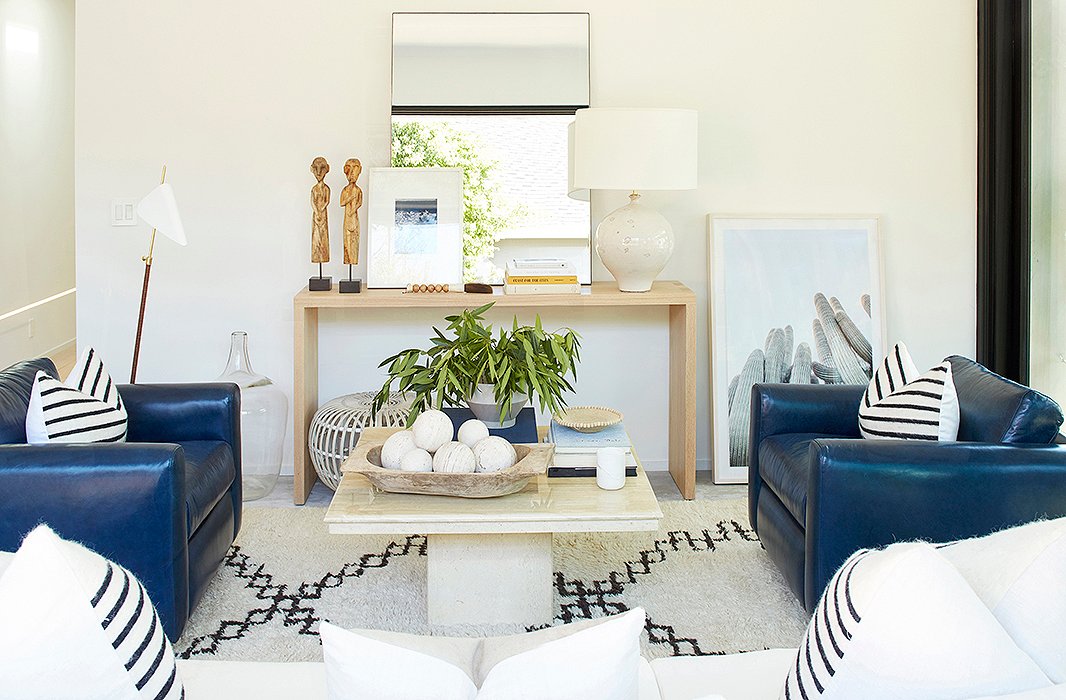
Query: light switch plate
point(123, 212)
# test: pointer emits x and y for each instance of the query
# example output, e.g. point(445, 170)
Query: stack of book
point(540, 276)
point(575, 452)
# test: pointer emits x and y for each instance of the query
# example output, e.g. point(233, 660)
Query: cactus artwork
point(842, 355)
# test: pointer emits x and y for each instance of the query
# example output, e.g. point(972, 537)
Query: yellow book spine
point(541, 279)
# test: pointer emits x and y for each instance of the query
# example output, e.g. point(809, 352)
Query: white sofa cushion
point(1019, 574)
point(755, 675)
point(75, 625)
point(5, 561)
point(902, 622)
point(601, 661)
point(253, 680)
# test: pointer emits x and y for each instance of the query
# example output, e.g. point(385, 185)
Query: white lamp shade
point(572, 191)
point(160, 211)
point(634, 149)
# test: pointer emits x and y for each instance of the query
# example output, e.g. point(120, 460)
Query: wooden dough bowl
point(365, 459)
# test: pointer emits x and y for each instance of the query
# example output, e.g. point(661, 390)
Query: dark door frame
point(1003, 235)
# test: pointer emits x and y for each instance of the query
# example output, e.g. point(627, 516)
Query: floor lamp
point(160, 211)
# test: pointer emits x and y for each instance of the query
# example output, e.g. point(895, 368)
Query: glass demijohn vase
point(264, 415)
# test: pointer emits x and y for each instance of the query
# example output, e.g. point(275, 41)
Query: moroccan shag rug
point(703, 577)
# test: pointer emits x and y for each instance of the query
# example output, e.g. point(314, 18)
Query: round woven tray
point(588, 419)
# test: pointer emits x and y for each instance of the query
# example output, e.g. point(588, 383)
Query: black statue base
point(319, 284)
point(351, 286)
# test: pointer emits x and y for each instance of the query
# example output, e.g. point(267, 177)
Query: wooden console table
point(674, 296)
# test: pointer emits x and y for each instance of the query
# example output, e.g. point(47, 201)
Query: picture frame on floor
point(415, 227)
point(793, 299)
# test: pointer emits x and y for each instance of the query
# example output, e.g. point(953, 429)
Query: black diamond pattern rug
point(703, 578)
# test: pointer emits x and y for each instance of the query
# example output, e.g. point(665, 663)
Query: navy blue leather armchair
point(166, 504)
point(818, 491)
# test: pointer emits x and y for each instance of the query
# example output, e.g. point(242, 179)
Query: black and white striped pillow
point(901, 405)
point(79, 626)
point(85, 408)
point(901, 622)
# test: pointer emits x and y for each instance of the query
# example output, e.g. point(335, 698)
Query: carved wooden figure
point(351, 199)
point(319, 214)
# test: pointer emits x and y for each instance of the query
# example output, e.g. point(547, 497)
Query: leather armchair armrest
point(780, 409)
point(870, 493)
point(125, 501)
point(180, 412)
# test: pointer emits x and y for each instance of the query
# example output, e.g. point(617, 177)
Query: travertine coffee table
point(490, 560)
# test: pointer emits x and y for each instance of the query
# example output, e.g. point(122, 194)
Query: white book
point(585, 459)
point(542, 289)
point(538, 263)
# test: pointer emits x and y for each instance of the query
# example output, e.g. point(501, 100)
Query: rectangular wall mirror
point(494, 93)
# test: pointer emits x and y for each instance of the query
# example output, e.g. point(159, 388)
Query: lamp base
point(634, 242)
point(319, 284)
point(350, 286)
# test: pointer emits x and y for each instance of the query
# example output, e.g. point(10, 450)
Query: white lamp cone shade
point(634, 242)
point(573, 192)
point(634, 149)
point(160, 211)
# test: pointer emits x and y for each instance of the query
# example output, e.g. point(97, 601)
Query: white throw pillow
point(84, 408)
point(597, 663)
point(901, 405)
point(1020, 573)
point(74, 625)
point(903, 623)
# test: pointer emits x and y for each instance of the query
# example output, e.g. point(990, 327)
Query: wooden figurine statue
point(319, 225)
point(351, 199)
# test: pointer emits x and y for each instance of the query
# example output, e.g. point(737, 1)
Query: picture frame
point(414, 227)
point(766, 274)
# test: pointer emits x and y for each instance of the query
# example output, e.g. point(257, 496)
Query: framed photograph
point(415, 227)
point(795, 300)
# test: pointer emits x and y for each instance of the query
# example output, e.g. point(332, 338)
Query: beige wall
point(828, 107)
point(36, 175)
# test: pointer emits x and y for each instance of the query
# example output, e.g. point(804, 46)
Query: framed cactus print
point(793, 299)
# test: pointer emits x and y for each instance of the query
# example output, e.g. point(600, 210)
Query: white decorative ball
point(396, 446)
point(472, 432)
point(417, 460)
point(432, 429)
point(493, 454)
point(455, 457)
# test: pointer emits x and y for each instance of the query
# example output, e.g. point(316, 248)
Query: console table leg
point(683, 398)
point(489, 579)
point(304, 398)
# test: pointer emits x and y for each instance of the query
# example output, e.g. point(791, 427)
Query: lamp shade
point(634, 149)
point(160, 211)
point(573, 191)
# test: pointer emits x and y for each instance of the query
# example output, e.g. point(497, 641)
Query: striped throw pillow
point(900, 404)
point(79, 626)
point(85, 408)
point(901, 622)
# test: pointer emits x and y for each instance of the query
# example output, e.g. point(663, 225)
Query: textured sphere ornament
point(432, 429)
point(417, 460)
point(494, 453)
point(395, 447)
point(472, 432)
point(454, 458)
point(337, 425)
point(634, 243)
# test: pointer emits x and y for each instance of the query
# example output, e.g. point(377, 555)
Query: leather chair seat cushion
point(15, 384)
point(209, 472)
point(784, 465)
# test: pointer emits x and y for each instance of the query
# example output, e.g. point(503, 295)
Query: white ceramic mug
point(610, 468)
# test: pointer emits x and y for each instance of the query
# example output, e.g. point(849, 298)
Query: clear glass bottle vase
point(264, 416)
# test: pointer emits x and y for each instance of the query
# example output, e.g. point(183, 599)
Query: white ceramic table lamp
point(633, 150)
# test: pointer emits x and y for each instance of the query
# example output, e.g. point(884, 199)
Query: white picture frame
point(764, 274)
point(414, 227)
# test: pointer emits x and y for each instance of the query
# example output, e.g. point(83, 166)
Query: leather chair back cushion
point(995, 409)
point(15, 384)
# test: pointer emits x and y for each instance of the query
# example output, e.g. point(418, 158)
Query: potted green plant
point(494, 374)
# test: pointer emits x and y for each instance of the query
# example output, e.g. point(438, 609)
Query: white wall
point(36, 175)
point(806, 107)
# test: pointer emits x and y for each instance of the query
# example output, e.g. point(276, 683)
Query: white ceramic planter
point(482, 403)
